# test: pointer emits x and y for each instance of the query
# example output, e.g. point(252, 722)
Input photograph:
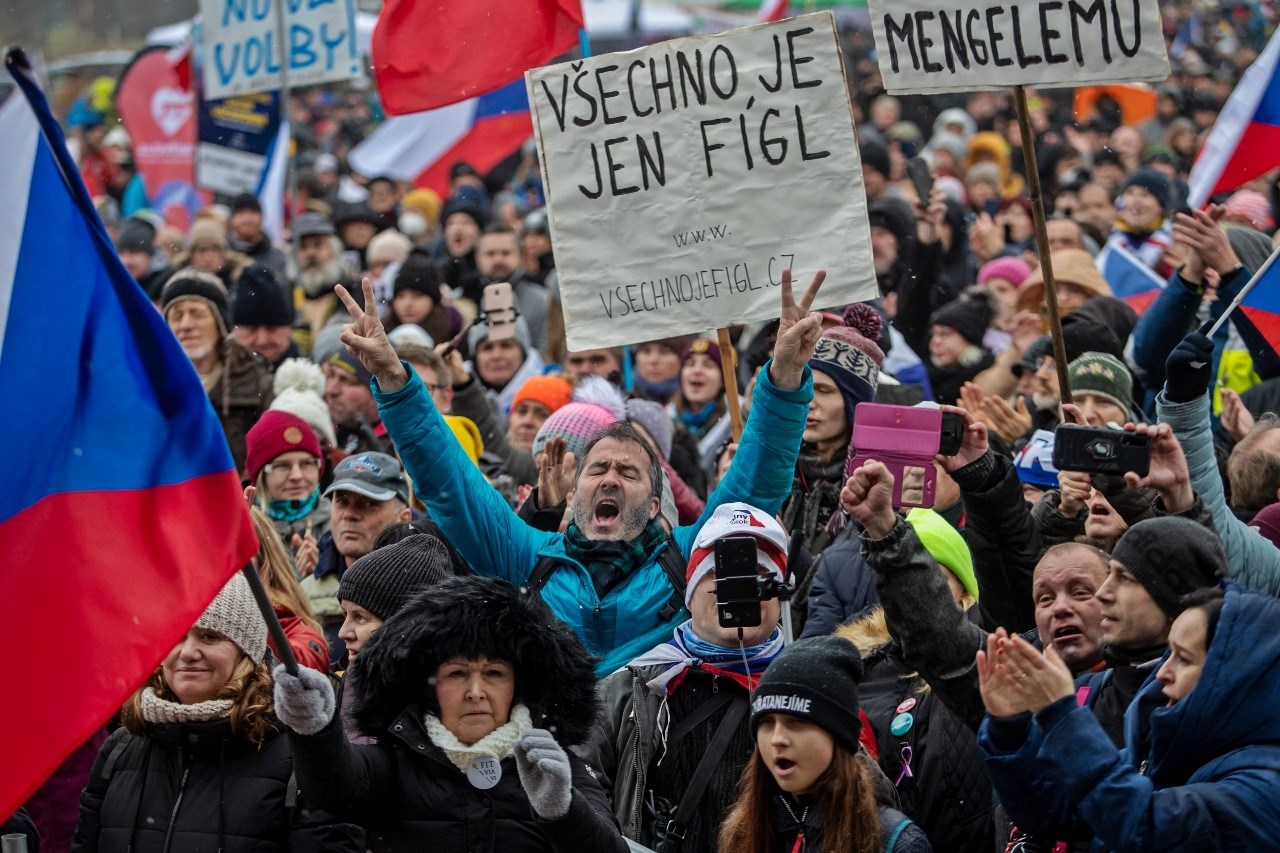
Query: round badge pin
point(907, 704)
point(484, 772)
point(901, 724)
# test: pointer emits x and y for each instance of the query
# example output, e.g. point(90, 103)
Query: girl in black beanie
point(805, 790)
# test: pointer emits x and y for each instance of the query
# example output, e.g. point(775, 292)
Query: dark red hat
point(277, 432)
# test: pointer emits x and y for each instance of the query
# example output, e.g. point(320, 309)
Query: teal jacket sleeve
point(1253, 561)
point(479, 523)
point(763, 470)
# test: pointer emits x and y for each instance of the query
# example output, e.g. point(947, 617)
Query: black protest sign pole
point(285, 653)
point(1042, 243)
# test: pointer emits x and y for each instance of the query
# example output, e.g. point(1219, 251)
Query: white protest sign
point(928, 47)
point(683, 177)
point(242, 44)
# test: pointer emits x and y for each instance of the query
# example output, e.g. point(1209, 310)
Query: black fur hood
point(472, 617)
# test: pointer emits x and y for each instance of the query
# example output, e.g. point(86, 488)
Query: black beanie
point(136, 235)
point(970, 315)
point(385, 580)
point(815, 679)
point(419, 272)
point(466, 205)
point(259, 299)
point(1154, 182)
point(246, 201)
point(875, 155)
point(191, 283)
point(1171, 557)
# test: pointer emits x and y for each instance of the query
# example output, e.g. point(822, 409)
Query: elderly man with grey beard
point(320, 266)
point(615, 576)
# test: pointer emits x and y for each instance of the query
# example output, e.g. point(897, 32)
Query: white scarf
point(158, 710)
point(499, 743)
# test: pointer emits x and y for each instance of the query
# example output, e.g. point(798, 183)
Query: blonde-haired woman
point(306, 637)
point(200, 764)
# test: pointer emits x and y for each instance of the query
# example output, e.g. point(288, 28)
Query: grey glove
point(304, 702)
point(545, 774)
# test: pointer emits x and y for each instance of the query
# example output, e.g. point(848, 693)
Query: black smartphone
point(737, 582)
point(991, 207)
point(1099, 450)
point(952, 435)
point(921, 179)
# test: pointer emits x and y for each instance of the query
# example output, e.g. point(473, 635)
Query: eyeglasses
point(303, 465)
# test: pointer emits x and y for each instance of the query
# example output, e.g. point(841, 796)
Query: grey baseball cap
point(310, 223)
point(376, 476)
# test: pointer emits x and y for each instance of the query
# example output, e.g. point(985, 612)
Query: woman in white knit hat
point(200, 763)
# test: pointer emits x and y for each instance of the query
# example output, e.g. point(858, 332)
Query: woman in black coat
point(474, 690)
point(201, 764)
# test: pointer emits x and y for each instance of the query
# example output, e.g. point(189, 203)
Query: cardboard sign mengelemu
point(682, 178)
point(926, 47)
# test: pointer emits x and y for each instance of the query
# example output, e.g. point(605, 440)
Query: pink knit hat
point(596, 404)
point(1012, 270)
point(1252, 206)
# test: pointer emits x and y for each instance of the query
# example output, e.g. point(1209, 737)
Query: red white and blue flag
point(1261, 302)
point(1245, 140)
point(1130, 279)
point(422, 147)
point(431, 53)
point(121, 515)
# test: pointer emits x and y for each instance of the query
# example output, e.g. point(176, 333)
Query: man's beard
point(319, 279)
point(634, 519)
point(1044, 402)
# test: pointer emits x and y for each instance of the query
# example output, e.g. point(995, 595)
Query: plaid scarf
point(609, 562)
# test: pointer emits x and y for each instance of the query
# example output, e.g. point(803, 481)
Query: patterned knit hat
point(235, 615)
point(1102, 375)
point(277, 432)
point(554, 392)
point(191, 283)
point(737, 519)
point(850, 355)
point(386, 579)
point(596, 404)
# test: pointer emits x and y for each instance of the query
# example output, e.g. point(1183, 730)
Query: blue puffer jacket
point(1209, 777)
point(625, 622)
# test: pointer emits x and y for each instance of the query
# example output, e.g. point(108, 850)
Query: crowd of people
point(495, 560)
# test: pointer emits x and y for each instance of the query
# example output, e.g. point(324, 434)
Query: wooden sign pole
point(1042, 242)
point(729, 370)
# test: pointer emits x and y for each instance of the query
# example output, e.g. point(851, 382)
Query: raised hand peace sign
point(798, 332)
point(366, 338)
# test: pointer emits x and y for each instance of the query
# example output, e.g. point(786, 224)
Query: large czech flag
point(1245, 140)
point(423, 146)
point(121, 516)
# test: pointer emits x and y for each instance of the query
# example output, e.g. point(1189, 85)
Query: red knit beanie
point(277, 432)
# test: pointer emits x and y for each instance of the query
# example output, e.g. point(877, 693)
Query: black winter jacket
point(947, 792)
point(842, 588)
point(411, 798)
point(196, 788)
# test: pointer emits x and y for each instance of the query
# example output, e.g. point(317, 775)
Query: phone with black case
point(1099, 450)
point(737, 582)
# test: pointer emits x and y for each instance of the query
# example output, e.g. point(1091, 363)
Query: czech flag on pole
point(1261, 303)
point(1130, 279)
point(1245, 140)
point(122, 514)
point(432, 53)
point(421, 147)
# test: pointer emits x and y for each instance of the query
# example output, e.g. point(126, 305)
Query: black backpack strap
point(542, 571)
point(701, 714)
point(678, 826)
point(673, 563)
point(122, 741)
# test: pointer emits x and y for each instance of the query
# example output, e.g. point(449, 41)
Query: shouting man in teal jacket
point(605, 576)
